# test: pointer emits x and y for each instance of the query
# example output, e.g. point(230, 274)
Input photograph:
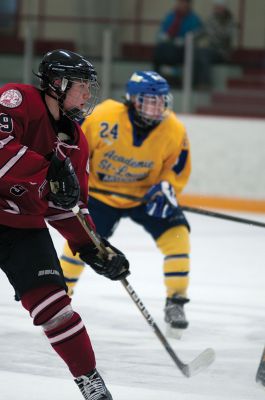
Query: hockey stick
point(202, 361)
point(260, 376)
point(184, 208)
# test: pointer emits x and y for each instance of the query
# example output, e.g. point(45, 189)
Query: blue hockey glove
point(161, 200)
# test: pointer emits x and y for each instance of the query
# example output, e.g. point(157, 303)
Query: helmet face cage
point(58, 71)
point(152, 109)
point(75, 113)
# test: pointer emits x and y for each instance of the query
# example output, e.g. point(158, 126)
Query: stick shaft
point(194, 210)
point(97, 242)
point(90, 232)
point(147, 316)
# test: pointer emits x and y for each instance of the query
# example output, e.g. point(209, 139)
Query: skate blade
point(260, 380)
point(174, 333)
point(261, 384)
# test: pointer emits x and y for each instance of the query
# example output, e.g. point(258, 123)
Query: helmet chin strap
point(139, 121)
point(73, 113)
point(65, 86)
point(51, 95)
point(59, 101)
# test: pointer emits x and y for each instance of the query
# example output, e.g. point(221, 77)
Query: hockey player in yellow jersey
point(141, 148)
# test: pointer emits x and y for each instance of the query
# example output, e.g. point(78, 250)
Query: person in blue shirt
point(169, 49)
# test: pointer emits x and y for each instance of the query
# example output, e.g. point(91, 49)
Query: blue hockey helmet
point(147, 82)
point(149, 94)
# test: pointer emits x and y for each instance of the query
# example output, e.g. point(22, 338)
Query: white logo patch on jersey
point(11, 98)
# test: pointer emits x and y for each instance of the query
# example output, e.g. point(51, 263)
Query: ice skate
point(260, 377)
point(93, 387)
point(175, 317)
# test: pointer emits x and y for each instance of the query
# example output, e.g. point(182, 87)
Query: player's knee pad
point(175, 246)
point(72, 267)
point(48, 305)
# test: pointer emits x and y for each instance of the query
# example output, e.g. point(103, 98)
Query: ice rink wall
point(228, 163)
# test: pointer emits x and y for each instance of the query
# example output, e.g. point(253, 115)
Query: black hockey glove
point(115, 266)
point(64, 185)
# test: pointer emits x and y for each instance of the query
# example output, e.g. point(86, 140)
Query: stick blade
point(202, 361)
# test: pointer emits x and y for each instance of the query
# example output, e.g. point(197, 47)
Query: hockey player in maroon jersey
point(44, 174)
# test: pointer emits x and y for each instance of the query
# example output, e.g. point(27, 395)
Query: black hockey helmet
point(67, 67)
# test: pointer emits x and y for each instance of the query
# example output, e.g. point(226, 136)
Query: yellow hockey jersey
point(119, 163)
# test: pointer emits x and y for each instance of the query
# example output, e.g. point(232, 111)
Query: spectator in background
point(8, 10)
point(215, 43)
point(169, 49)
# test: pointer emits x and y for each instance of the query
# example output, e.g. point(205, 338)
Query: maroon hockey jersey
point(27, 138)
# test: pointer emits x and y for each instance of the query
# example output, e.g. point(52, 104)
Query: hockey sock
point(72, 268)
point(71, 341)
point(50, 307)
point(175, 245)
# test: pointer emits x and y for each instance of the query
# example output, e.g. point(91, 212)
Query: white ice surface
point(226, 312)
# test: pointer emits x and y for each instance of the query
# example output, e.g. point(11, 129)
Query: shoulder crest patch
point(11, 98)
